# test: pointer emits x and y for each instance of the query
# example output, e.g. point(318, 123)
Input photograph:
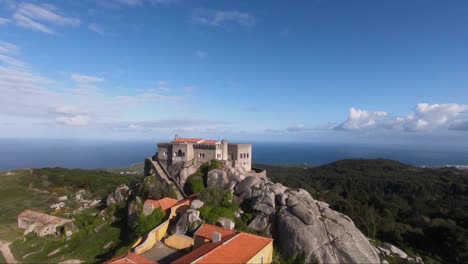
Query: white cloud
point(81, 78)
point(74, 120)
point(27, 99)
point(200, 54)
point(360, 119)
point(35, 16)
point(67, 110)
point(135, 3)
point(6, 47)
point(296, 128)
point(425, 117)
point(219, 18)
point(96, 28)
point(4, 21)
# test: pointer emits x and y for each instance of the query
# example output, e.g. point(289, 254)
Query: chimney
point(216, 237)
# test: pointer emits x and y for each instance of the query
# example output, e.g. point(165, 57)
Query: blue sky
point(324, 70)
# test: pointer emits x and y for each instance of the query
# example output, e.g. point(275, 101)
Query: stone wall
point(240, 155)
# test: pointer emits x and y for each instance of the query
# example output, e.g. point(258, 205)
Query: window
point(261, 259)
point(218, 156)
point(247, 155)
point(201, 155)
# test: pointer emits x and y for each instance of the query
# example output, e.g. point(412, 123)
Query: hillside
point(422, 210)
point(38, 189)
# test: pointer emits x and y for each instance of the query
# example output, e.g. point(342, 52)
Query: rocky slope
point(301, 225)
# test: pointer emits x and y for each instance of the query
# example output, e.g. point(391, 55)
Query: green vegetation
point(196, 182)
point(278, 258)
point(38, 189)
point(2, 259)
point(99, 182)
point(86, 245)
point(218, 203)
point(152, 188)
point(421, 210)
point(145, 223)
point(16, 197)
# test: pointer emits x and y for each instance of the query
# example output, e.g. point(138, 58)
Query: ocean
point(91, 154)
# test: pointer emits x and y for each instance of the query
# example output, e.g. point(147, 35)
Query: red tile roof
point(201, 251)
point(235, 247)
point(164, 203)
point(239, 249)
point(195, 140)
point(206, 231)
point(208, 141)
point(187, 140)
point(130, 257)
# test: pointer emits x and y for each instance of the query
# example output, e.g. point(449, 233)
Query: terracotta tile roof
point(187, 140)
point(207, 141)
point(201, 251)
point(164, 203)
point(188, 200)
point(206, 231)
point(130, 257)
point(195, 140)
point(239, 249)
point(235, 247)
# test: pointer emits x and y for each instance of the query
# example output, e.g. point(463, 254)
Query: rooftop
point(164, 203)
point(195, 140)
point(42, 218)
point(206, 231)
point(234, 247)
point(130, 257)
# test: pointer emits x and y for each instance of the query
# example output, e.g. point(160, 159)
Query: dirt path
point(5, 249)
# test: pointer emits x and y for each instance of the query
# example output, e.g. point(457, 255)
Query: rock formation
point(181, 170)
point(299, 224)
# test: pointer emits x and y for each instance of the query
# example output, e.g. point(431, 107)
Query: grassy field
point(15, 198)
point(85, 245)
point(2, 259)
point(39, 188)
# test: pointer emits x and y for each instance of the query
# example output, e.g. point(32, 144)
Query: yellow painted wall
point(154, 236)
point(137, 242)
point(180, 242)
point(266, 252)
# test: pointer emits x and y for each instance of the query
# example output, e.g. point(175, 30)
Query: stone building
point(202, 150)
point(44, 224)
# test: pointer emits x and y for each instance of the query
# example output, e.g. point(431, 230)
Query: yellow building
point(221, 245)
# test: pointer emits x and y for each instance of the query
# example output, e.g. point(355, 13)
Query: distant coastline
point(92, 154)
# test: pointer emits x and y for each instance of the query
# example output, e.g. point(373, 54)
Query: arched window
point(179, 153)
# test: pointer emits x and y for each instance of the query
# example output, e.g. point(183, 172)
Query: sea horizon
point(110, 153)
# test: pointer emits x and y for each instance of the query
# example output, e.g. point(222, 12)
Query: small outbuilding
point(43, 224)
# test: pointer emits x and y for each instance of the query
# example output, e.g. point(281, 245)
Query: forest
point(421, 210)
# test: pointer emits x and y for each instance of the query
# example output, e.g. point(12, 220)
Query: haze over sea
point(90, 154)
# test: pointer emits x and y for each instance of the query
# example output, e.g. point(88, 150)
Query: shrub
point(146, 223)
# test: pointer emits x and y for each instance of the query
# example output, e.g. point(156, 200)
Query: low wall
point(179, 242)
point(153, 237)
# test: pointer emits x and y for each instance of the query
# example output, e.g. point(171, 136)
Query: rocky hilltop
point(301, 225)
